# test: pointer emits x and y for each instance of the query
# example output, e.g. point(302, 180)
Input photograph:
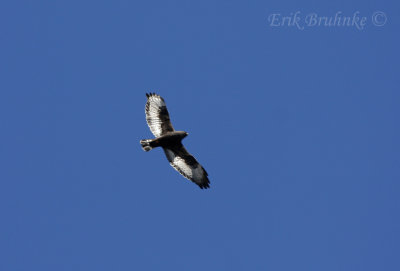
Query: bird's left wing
point(157, 115)
point(181, 160)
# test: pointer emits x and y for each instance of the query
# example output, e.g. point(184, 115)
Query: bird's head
point(183, 134)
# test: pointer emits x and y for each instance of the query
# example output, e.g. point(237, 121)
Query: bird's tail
point(146, 144)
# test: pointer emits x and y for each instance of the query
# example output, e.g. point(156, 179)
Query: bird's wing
point(157, 115)
point(187, 165)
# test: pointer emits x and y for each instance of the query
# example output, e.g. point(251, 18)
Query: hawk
point(157, 118)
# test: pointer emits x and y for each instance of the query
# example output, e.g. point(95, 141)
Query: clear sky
point(296, 124)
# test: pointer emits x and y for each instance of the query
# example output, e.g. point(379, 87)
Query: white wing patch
point(194, 172)
point(157, 115)
point(180, 164)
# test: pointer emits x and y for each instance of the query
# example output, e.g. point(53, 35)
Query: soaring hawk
point(157, 118)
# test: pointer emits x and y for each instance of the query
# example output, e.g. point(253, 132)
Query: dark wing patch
point(157, 115)
point(187, 165)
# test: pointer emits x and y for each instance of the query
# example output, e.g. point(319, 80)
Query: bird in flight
point(157, 118)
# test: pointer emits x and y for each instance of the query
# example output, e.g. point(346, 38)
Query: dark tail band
point(146, 144)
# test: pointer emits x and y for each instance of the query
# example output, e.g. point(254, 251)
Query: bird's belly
point(167, 140)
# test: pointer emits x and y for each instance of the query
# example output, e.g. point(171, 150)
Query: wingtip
point(148, 95)
point(204, 185)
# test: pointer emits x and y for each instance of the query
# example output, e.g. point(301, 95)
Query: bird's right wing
point(157, 115)
point(181, 160)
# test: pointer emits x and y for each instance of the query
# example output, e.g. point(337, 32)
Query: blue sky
point(298, 130)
